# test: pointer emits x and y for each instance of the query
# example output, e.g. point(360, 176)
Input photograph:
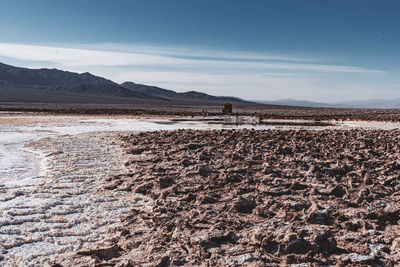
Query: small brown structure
point(227, 109)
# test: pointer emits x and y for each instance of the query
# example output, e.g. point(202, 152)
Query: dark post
point(227, 109)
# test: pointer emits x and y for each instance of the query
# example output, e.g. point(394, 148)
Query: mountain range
point(58, 86)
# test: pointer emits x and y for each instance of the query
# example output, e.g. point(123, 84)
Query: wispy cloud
point(244, 74)
point(165, 57)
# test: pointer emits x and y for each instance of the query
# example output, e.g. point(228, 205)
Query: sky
point(329, 51)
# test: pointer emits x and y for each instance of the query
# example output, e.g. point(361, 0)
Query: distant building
point(227, 109)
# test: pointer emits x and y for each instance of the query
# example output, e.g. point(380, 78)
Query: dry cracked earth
point(260, 198)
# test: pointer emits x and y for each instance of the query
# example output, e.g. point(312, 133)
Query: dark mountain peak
point(47, 77)
point(52, 69)
point(88, 74)
point(197, 94)
point(147, 89)
point(127, 83)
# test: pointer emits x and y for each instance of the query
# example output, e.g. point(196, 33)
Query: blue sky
point(316, 50)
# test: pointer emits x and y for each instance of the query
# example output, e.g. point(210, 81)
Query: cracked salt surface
point(44, 217)
point(52, 170)
point(51, 177)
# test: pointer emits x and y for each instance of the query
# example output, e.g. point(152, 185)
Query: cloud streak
point(243, 74)
point(74, 57)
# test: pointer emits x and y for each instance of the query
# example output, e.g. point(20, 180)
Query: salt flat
point(51, 179)
point(52, 172)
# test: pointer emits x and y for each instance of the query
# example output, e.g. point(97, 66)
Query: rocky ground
point(242, 197)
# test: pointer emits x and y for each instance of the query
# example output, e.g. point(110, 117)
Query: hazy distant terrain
point(371, 103)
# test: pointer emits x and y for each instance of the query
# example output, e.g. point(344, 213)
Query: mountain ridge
point(160, 92)
point(44, 85)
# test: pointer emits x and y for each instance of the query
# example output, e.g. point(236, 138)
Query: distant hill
point(172, 95)
point(296, 103)
point(58, 86)
point(372, 103)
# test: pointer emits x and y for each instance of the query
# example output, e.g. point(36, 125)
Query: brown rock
point(325, 241)
point(103, 253)
point(243, 205)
